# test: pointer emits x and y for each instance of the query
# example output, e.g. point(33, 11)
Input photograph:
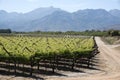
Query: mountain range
point(56, 19)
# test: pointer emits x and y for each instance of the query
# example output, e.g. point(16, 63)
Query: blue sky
point(68, 5)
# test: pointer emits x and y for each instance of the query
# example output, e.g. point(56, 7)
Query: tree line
point(5, 31)
point(84, 33)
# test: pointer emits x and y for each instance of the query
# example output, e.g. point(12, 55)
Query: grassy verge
point(111, 40)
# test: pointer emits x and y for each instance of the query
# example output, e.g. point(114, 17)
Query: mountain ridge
point(56, 19)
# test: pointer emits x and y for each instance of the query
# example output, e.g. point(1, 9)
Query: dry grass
point(111, 40)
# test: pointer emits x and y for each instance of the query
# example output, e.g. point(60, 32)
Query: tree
point(113, 32)
point(5, 31)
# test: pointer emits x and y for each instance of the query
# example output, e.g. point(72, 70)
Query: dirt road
point(109, 65)
point(110, 59)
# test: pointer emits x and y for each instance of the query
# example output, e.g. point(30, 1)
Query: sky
point(23, 6)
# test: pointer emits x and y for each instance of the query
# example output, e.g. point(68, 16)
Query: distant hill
point(115, 12)
point(55, 19)
point(115, 27)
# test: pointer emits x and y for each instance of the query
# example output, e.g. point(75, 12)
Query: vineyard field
point(26, 47)
point(55, 51)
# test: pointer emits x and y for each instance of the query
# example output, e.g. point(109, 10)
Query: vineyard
point(48, 52)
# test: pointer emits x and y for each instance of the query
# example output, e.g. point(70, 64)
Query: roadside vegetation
point(113, 37)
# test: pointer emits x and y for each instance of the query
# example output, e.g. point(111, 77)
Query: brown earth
point(109, 67)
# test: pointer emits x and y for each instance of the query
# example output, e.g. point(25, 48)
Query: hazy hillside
point(115, 12)
point(95, 19)
point(55, 19)
point(117, 27)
